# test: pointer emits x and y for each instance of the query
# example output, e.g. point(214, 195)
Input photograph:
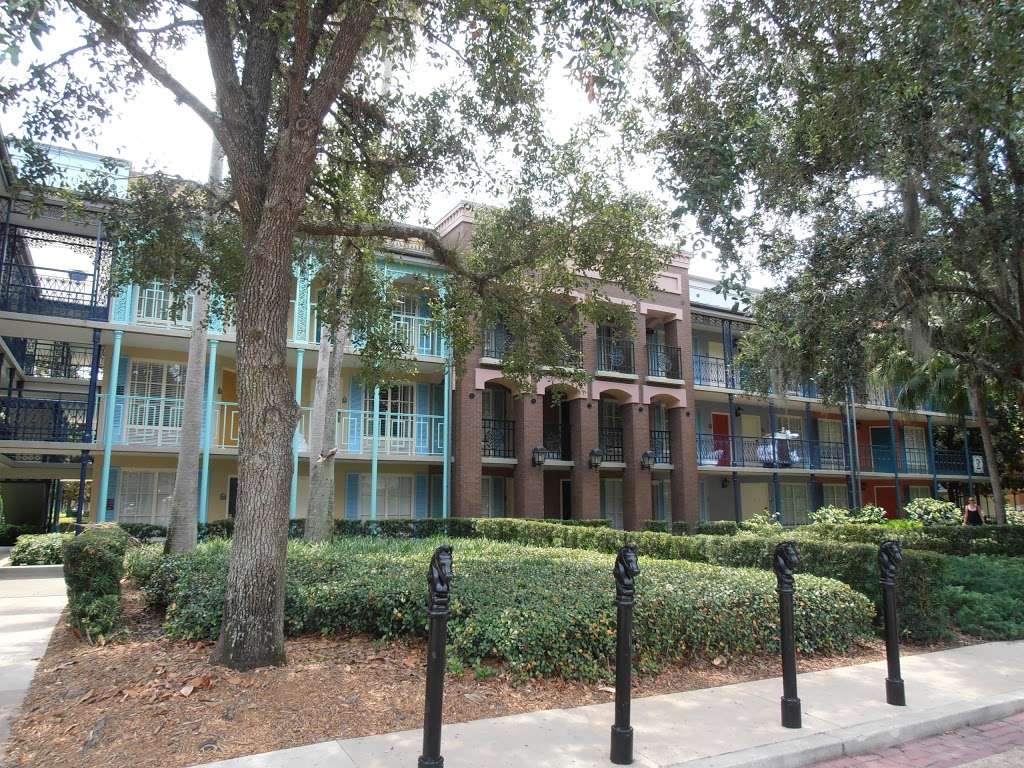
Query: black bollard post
point(786, 559)
point(438, 608)
point(889, 557)
point(626, 571)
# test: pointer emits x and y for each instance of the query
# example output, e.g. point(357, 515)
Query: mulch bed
point(147, 702)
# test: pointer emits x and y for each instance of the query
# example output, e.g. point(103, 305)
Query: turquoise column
point(446, 469)
point(293, 511)
point(108, 428)
point(374, 455)
point(204, 477)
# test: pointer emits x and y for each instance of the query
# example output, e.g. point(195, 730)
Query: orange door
point(720, 429)
point(885, 497)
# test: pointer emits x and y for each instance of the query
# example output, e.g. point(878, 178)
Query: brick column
point(674, 338)
point(586, 489)
point(640, 360)
point(528, 479)
point(636, 482)
point(684, 481)
point(467, 416)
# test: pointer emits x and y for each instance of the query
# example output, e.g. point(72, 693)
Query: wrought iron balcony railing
point(556, 443)
point(496, 343)
point(53, 359)
point(664, 361)
point(661, 445)
point(615, 355)
point(498, 438)
point(422, 336)
point(610, 442)
point(767, 452)
point(58, 417)
point(50, 292)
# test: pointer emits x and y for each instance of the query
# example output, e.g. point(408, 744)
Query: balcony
point(556, 443)
point(52, 359)
point(398, 434)
point(615, 356)
point(712, 372)
point(770, 453)
point(498, 438)
point(57, 417)
point(50, 292)
point(609, 440)
point(421, 335)
point(661, 445)
point(664, 361)
point(496, 343)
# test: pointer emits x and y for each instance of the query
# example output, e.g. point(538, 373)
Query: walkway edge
point(32, 572)
point(866, 737)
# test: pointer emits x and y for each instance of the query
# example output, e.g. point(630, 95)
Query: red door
point(720, 429)
point(885, 497)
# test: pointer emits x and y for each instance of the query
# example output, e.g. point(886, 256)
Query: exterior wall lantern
point(596, 457)
point(539, 457)
point(647, 459)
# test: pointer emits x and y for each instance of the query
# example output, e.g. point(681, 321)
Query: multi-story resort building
point(92, 388)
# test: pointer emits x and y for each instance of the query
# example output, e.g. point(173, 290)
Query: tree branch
point(156, 70)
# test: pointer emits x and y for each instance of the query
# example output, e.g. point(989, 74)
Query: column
point(586, 482)
point(685, 486)
point(895, 463)
point(300, 334)
point(640, 360)
point(967, 458)
point(296, 438)
point(636, 482)
point(468, 468)
point(931, 457)
point(528, 480)
point(375, 452)
point(734, 460)
point(110, 406)
point(204, 476)
point(737, 507)
point(731, 380)
point(446, 469)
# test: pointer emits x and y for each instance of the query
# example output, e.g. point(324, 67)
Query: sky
point(153, 132)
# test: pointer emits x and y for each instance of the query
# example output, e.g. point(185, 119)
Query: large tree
point(869, 153)
point(318, 112)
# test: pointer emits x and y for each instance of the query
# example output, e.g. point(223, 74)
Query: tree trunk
point(320, 513)
point(252, 631)
point(978, 403)
point(184, 515)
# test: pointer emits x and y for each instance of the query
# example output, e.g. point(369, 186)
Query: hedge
point(945, 539)
point(93, 566)
point(10, 533)
point(987, 596)
point(39, 549)
point(540, 611)
point(718, 528)
point(922, 598)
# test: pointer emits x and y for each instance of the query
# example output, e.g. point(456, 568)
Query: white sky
point(153, 132)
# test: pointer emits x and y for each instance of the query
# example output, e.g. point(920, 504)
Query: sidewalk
point(738, 725)
point(30, 604)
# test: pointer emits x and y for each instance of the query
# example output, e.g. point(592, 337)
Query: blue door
point(882, 459)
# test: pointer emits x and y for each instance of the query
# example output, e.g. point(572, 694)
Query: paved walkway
point(738, 725)
point(991, 745)
point(30, 604)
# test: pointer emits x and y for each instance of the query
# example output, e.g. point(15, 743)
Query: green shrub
point(680, 528)
point(658, 526)
point(925, 615)
point(829, 515)
point(39, 549)
point(144, 531)
point(93, 566)
point(718, 528)
point(1015, 515)
point(764, 523)
point(10, 533)
point(541, 611)
point(987, 596)
point(141, 562)
point(595, 523)
point(933, 512)
point(947, 539)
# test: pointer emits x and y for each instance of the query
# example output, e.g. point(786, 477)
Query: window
point(492, 496)
point(394, 496)
point(142, 497)
point(154, 307)
point(396, 422)
point(793, 424)
point(920, 492)
point(154, 403)
point(495, 403)
point(831, 448)
point(661, 499)
point(611, 501)
point(835, 495)
point(916, 447)
point(795, 504)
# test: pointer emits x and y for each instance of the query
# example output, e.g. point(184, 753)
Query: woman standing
point(972, 512)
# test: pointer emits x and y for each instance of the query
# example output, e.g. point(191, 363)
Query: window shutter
point(113, 502)
point(119, 398)
point(422, 496)
point(352, 496)
point(423, 421)
point(358, 416)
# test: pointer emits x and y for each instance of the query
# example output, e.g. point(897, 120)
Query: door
point(754, 497)
point(915, 446)
point(715, 375)
point(566, 490)
point(720, 430)
point(882, 459)
point(232, 496)
point(830, 444)
point(885, 497)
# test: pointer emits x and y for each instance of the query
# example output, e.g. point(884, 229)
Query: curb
point(866, 737)
point(32, 572)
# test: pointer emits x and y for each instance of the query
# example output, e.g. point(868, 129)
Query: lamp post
point(648, 459)
point(626, 571)
point(889, 557)
point(596, 458)
point(439, 579)
point(540, 455)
